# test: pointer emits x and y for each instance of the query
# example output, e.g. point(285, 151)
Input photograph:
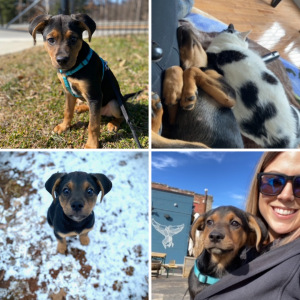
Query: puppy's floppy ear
point(258, 231)
point(197, 225)
point(86, 23)
point(52, 183)
point(104, 183)
point(38, 25)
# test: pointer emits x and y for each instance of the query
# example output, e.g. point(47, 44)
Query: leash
point(125, 114)
point(185, 293)
point(117, 92)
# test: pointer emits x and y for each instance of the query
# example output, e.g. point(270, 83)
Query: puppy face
point(77, 192)
point(77, 195)
point(62, 36)
point(191, 52)
point(63, 41)
point(226, 229)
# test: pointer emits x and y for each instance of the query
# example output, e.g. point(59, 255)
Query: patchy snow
point(118, 242)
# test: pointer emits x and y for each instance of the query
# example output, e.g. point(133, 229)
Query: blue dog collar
point(204, 278)
point(80, 66)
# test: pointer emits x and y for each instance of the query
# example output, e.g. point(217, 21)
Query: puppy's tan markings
point(84, 239)
point(157, 109)
point(68, 115)
point(172, 86)
point(192, 54)
point(62, 246)
point(81, 86)
point(81, 108)
point(114, 125)
point(57, 182)
point(159, 141)
point(86, 185)
point(51, 49)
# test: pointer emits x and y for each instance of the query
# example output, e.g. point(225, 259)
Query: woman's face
point(282, 212)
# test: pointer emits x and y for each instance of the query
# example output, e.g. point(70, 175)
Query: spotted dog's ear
point(86, 23)
point(258, 231)
point(104, 183)
point(38, 25)
point(53, 182)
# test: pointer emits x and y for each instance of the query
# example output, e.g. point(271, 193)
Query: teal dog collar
point(80, 66)
point(204, 278)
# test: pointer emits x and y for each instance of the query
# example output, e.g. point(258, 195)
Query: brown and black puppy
point(74, 197)
point(225, 231)
point(63, 41)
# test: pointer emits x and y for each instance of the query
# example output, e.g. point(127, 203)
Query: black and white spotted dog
point(262, 109)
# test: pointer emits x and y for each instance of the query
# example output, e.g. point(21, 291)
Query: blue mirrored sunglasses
point(272, 184)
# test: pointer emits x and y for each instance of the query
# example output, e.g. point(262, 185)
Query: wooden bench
point(169, 267)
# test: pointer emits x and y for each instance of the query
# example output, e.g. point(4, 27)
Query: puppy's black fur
point(74, 197)
point(208, 123)
point(226, 231)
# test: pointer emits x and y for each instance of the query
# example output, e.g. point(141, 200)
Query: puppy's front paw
point(172, 86)
point(91, 145)
point(84, 240)
point(61, 248)
point(61, 128)
point(189, 97)
point(189, 90)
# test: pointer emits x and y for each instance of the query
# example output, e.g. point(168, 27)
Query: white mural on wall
point(168, 232)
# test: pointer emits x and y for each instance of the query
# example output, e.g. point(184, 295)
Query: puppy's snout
point(61, 60)
point(216, 237)
point(77, 206)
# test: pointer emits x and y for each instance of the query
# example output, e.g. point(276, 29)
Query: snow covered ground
point(115, 263)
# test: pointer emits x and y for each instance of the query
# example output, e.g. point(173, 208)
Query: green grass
point(32, 98)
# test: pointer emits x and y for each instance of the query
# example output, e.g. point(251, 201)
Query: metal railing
point(111, 16)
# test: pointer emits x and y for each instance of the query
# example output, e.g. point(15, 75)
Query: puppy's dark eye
point(73, 39)
point(66, 191)
point(209, 222)
point(235, 224)
point(51, 40)
point(90, 191)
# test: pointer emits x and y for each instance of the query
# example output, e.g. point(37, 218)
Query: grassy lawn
point(32, 98)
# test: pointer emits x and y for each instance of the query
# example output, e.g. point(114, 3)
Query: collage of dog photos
point(149, 150)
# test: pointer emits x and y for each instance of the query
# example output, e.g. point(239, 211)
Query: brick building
point(199, 203)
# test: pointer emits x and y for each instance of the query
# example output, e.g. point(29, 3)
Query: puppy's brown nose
point(61, 60)
point(77, 206)
point(216, 237)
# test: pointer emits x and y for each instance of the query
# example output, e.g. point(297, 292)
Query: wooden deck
point(277, 29)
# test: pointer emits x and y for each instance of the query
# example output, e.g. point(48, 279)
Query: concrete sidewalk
point(171, 288)
point(12, 41)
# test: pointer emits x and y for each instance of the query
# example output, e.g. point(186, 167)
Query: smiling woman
point(274, 272)
point(279, 208)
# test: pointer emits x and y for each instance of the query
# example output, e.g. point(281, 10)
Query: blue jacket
point(275, 275)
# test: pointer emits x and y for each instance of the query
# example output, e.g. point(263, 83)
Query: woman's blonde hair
point(253, 196)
